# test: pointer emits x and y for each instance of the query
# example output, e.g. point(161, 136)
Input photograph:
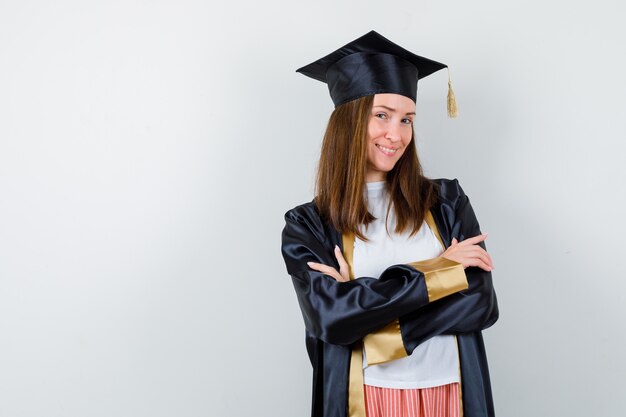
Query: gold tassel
point(452, 109)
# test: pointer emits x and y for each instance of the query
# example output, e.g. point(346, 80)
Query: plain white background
point(149, 149)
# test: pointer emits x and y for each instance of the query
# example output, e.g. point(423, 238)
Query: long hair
point(340, 182)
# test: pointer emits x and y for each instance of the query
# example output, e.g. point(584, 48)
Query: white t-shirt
point(434, 362)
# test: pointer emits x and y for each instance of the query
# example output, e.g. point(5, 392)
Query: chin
point(386, 167)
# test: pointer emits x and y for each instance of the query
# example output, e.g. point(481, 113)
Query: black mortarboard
point(372, 64)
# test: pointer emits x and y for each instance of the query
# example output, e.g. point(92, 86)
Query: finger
point(490, 259)
point(344, 271)
point(485, 266)
point(454, 241)
point(487, 256)
point(320, 267)
point(340, 258)
point(473, 240)
point(479, 263)
point(476, 251)
point(335, 275)
point(344, 268)
point(313, 265)
point(328, 270)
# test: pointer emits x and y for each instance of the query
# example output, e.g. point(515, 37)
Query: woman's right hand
point(343, 275)
point(469, 253)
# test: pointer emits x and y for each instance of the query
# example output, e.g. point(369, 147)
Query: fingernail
point(309, 263)
point(336, 247)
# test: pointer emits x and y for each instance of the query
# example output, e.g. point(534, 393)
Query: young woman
point(389, 267)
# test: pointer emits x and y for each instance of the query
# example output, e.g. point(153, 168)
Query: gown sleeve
point(472, 309)
point(467, 311)
point(344, 312)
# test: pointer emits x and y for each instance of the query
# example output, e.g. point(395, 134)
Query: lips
point(386, 151)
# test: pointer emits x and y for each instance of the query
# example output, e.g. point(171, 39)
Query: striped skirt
point(442, 401)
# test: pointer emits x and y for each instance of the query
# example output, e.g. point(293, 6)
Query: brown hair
point(340, 183)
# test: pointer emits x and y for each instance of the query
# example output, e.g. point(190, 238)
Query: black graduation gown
point(339, 314)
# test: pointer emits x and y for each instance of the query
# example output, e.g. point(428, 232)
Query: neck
point(375, 177)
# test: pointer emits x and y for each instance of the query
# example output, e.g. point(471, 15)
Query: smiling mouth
point(386, 151)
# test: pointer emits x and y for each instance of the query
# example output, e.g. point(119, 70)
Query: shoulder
point(449, 191)
point(304, 234)
point(302, 211)
point(306, 216)
point(455, 208)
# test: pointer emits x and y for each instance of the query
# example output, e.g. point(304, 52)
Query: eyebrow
point(392, 109)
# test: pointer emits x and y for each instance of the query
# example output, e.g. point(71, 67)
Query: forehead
point(397, 102)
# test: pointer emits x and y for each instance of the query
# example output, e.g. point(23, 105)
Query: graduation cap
point(373, 64)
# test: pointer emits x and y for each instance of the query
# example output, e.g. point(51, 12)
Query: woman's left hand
point(469, 253)
point(344, 272)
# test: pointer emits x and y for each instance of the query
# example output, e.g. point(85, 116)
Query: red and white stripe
point(442, 401)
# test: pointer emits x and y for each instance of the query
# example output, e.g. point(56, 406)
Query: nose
point(393, 132)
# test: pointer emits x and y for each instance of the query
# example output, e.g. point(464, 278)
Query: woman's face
point(389, 133)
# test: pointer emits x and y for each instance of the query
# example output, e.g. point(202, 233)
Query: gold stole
point(356, 394)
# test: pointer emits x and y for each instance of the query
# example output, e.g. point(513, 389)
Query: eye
point(381, 115)
point(407, 121)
